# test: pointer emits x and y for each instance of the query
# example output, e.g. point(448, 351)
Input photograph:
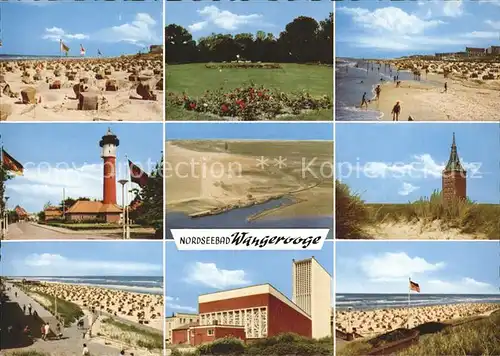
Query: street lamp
point(6, 212)
point(123, 182)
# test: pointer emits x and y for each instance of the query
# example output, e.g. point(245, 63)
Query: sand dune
point(373, 322)
point(111, 89)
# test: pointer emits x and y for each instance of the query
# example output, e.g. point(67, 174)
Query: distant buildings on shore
point(471, 52)
point(156, 49)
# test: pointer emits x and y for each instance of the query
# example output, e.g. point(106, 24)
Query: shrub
point(225, 346)
point(250, 103)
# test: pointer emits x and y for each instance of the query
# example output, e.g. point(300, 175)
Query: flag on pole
point(64, 48)
point(82, 50)
point(0, 43)
point(137, 175)
point(414, 286)
point(99, 52)
point(11, 164)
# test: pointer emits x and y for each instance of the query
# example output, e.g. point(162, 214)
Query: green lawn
point(195, 79)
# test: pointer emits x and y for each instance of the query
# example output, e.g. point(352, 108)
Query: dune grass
point(479, 337)
point(194, 79)
point(474, 338)
point(143, 338)
point(353, 215)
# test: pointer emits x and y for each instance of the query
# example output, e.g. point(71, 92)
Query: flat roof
point(265, 288)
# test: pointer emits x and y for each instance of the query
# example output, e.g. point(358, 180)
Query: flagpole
point(409, 291)
point(127, 235)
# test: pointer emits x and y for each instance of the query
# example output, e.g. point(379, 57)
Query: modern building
point(156, 49)
point(312, 292)
point(262, 311)
point(107, 210)
point(475, 52)
point(178, 320)
point(454, 183)
point(493, 50)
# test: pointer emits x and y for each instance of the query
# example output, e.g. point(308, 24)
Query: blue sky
point(388, 29)
point(60, 155)
point(249, 131)
point(191, 273)
point(201, 18)
point(91, 258)
point(397, 163)
point(458, 267)
point(116, 27)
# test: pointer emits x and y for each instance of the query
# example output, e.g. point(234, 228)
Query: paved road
point(30, 231)
point(70, 344)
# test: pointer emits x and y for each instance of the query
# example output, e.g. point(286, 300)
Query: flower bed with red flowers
point(250, 103)
point(243, 65)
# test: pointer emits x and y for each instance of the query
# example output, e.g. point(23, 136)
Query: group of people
point(86, 351)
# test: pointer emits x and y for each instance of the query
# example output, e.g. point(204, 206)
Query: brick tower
point(454, 177)
point(109, 143)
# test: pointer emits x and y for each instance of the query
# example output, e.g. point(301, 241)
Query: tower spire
point(454, 164)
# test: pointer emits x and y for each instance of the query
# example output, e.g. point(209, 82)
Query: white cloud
point(56, 34)
point(423, 166)
point(494, 24)
point(389, 19)
point(47, 264)
point(210, 275)
point(197, 26)
point(465, 285)
point(396, 266)
point(141, 31)
point(407, 189)
point(41, 183)
point(173, 303)
point(482, 35)
point(222, 19)
point(453, 8)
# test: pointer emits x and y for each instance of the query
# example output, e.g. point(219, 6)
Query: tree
point(149, 212)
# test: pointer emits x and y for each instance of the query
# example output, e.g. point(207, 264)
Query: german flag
point(11, 164)
point(137, 175)
point(414, 286)
point(64, 48)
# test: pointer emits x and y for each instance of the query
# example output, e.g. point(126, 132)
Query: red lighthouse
point(109, 143)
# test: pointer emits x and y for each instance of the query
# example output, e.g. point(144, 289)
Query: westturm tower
point(454, 177)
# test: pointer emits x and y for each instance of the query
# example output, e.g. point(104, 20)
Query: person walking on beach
point(24, 309)
point(445, 87)
point(29, 308)
point(47, 330)
point(395, 112)
point(377, 91)
point(363, 101)
point(85, 351)
point(42, 330)
point(15, 294)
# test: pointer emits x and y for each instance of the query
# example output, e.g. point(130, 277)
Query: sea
point(237, 219)
point(385, 301)
point(146, 285)
point(353, 77)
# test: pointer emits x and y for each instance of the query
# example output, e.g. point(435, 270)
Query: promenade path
point(70, 345)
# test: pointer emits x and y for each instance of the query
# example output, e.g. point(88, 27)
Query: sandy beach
point(127, 88)
point(217, 179)
point(472, 95)
point(378, 321)
point(125, 305)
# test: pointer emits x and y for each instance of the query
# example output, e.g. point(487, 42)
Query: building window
point(210, 332)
